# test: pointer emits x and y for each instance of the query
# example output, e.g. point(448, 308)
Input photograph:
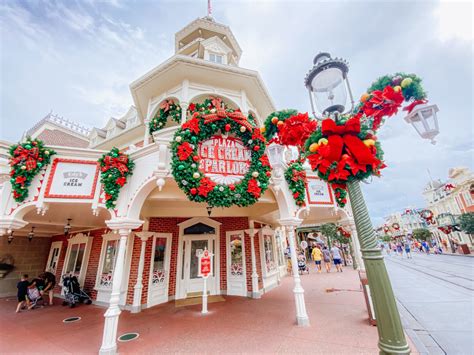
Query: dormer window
point(216, 58)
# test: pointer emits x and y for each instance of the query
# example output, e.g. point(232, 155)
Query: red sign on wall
point(205, 264)
point(225, 160)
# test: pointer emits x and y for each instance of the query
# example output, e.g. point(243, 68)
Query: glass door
point(53, 257)
point(194, 246)
point(160, 266)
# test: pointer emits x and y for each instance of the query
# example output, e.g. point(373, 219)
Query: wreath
point(346, 149)
point(396, 226)
point(295, 176)
point(115, 167)
point(208, 120)
point(168, 109)
point(428, 216)
point(26, 161)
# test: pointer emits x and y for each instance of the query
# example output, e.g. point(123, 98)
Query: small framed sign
point(319, 192)
point(72, 179)
point(205, 264)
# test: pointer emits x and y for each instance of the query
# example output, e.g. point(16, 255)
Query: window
point(76, 256)
point(159, 272)
point(269, 254)
point(199, 228)
point(216, 58)
point(236, 255)
point(53, 258)
point(106, 276)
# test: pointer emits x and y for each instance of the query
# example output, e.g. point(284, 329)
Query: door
point(194, 245)
point(159, 269)
point(236, 274)
point(53, 257)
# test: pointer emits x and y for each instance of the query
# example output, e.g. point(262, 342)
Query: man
point(336, 257)
point(317, 255)
point(50, 282)
point(327, 258)
point(408, 249)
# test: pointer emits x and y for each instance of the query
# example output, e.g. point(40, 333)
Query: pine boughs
point(115, 167)
point(411, 88)
point(168, 109)
point(209, 119)
point(295, 176)
point(26, 161)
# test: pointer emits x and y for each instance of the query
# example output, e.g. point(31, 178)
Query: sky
point(78, 57)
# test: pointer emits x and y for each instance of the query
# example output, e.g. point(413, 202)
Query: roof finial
point(209, 9)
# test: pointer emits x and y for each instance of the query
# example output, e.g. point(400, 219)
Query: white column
point(184, 111)
point(137, 289)
point(109, 345)
point(146, 139)
point(255, 290)
point(356, 246)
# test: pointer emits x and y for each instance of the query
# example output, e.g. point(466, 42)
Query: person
point(316, 255)
point(336, 257)
point(408, 249)
point(327, 258)
point(22, 287)
point(39, 283)
point(50, 282)
point(399, 249)
point(426, 247)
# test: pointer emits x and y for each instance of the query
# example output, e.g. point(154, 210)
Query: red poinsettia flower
point(192, 125)
point(257, 134)
point(296, 195)
point(121, 181)
point(339, 172)
point(20, 180)
point(206, 186)
point(264, 160)
point(192, 107)
point(253, 188)
point(184, 151)
point(16, 194)
point(298, 175)
point(296, 130)
point(318, 162)
point(108, 197)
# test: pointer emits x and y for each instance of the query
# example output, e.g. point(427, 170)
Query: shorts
point(337, 261)
point(318, 262)
point(327, 260)
point(21, 298)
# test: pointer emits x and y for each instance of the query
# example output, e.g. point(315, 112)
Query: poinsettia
point(253, 188)
point(192, 125)
point(257, 134)
point(121, 181)
point(264, 160)
point(184, 151)
point(296, 130)
point(206, 186)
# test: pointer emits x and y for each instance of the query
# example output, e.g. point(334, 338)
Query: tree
point(466, 220)
point(421, 233)
point(386, 238)
point(329, 230)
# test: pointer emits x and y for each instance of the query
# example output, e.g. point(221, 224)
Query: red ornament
point(231, 187)
point(268, 173)
point(256, 148)
point(193, 191)
point(296, 195)
point(227, 127)
point(192, 107)
point(196, 158)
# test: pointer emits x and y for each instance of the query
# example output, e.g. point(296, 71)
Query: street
point(435, 298)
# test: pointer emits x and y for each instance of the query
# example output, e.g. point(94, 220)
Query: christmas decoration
point(396, 226)
point(343, 232)
point(386, 228)
point(428, 216)
point(340, 193)
point(273, 120)
point(212, 122)
point(168, 109)
point(115, 167)
point(449, 187)
point(295, 130)
point(26, 161)
point(295, 176)
point(446, 229)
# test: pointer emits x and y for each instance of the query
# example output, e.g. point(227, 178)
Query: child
point(22, 287)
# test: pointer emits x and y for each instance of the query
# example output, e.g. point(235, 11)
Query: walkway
point(239, 325)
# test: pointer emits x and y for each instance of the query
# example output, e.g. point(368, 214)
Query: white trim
point(79, 238)
point(180, 293)
point(54, 245)
point(153, 301)
point(236, 285)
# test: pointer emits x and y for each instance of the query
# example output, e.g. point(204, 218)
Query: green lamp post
point(346, 150)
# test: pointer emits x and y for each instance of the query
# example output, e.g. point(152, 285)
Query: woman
point(327, 258)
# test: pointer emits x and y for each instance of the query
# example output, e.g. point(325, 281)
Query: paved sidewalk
point(238, 325)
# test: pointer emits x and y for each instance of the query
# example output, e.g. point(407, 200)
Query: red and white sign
point(318, 191)
point(224, 160)
point(73, 179)
point(205, 264)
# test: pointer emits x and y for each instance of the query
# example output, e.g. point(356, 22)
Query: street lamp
point(425, 121)
point(67, 227)
point(328, 85)
point(31, 234)
point(275, 157)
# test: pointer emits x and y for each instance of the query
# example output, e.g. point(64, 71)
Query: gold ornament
point(263, 129)
point(406, 82)
point(323, 141)
point(46, 152)
point(196, 175)
point(178, 139)
point(23, 167)
point(313, 147)
point(369, 142)
point(255, 174)
point(243, 129)
point(364, 97)
point(397, 88)
point(280, 123)
point(274, 119)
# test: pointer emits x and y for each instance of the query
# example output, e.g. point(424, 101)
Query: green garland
point(270, 126)
point(185, 159)
point(26, 161)
point(295, 176)
point(168, 109)
point(115, 167)
point(411, 88)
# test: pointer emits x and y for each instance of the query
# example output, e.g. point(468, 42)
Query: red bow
point(120, 163)
point(236, 116)
point(165, 105)
point(29, 156)
point(346, 134)
point(415, 103)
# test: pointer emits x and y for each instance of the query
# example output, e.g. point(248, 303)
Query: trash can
point(368, 298)
point(463, 249)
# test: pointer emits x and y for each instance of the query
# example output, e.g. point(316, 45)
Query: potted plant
point(6, 265)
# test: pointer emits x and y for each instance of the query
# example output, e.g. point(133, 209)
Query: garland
point(26, 161)
point(347, 149)
point(273, 121)
point(209, 119)
point(168, 108)
point(295, 176)
point(446, 230)
point(115, 167)
point(343, 232)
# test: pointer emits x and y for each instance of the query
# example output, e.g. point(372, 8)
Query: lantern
point(425, 121)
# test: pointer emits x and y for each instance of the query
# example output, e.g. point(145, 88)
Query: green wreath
point(168, 109)
point(270, 126)
point(204, 124)
point(295, 176)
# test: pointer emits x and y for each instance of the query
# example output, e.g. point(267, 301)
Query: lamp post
point(447, 220)
point(328, 86)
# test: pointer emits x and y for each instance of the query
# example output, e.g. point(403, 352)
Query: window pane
point(219, 59)
point(109, 259)
point(212, 57)
point(159, 272)
point(80, 256)
point(196, 245)
point(269, 256)
point(236, 257)
point(72, 258)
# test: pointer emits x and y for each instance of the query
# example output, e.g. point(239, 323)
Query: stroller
point(35, 296)
point(302, 267)
point(73, 293)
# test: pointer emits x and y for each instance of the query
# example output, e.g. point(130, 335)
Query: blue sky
point(78, 58)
